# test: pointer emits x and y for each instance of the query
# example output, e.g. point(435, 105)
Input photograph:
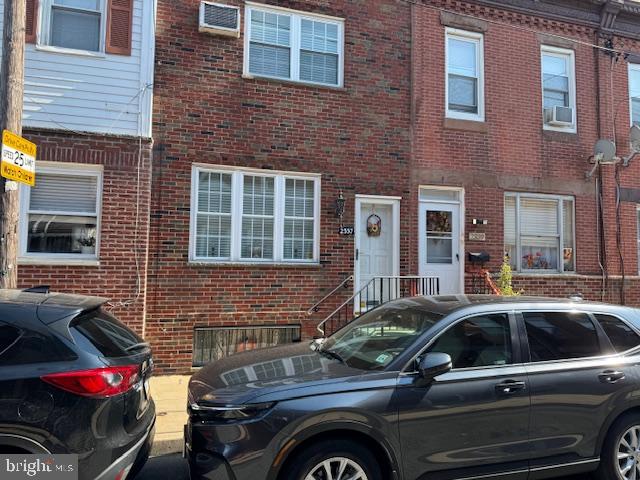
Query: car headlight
point(229, 413)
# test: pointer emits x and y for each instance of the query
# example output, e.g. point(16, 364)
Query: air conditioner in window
point(558, 116)
point(219, 19)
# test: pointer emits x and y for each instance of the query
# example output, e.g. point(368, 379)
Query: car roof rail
point(576, 297)
point(39, 289)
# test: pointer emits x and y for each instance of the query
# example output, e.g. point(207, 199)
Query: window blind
point(64, 193)
point(319, 52)
point(269, 49)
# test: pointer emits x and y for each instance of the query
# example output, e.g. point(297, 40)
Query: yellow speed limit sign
point(18, 159)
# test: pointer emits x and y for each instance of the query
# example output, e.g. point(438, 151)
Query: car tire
point(337, 452)
point(609, 464)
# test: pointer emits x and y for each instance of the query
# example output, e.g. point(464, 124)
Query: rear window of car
point(106, 334)
point(621, 335)
point(561, 336)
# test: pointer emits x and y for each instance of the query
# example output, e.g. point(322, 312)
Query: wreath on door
point(374, 225)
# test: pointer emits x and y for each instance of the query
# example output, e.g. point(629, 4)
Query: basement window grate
point(213, 343)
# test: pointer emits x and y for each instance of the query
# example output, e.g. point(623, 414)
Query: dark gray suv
point(437, 388)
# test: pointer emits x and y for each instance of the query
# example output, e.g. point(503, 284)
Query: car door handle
point(510, 387)
point(611, 376)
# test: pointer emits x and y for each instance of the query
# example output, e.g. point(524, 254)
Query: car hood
point(243, 377)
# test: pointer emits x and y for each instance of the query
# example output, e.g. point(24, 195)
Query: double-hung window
point(634, 93)
point(74, 24)
point(558, 88)
point(296, 46)
point(60, 216)
point(253, 215)
point(465, 75)
point(539, 232)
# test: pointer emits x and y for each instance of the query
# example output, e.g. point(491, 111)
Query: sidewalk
point(170, 396)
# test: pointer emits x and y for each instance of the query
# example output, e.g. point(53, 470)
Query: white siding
point(101, 93)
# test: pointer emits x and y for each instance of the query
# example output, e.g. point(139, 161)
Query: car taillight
point(98, 382)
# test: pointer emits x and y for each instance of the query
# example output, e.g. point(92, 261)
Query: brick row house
point(303, 148)
point(87, 105)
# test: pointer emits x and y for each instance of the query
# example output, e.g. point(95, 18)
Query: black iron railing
point(377, 291)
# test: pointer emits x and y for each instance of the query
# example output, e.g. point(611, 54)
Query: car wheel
point(620, 459)
point(334, 460)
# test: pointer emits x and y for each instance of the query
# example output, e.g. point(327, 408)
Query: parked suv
point(73, 379)
point(430, 388)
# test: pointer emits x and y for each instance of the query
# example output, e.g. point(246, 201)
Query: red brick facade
point(124, 248)
point(385, 133)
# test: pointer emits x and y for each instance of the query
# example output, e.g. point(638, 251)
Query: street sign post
point(18, 159)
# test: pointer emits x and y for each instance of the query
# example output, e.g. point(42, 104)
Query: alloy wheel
point(341, 468)
point(628, 455)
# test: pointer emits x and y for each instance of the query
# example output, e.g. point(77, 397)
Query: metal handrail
point(315, 308)
point(369, 283)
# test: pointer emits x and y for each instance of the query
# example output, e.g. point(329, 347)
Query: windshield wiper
point(137, 346)
point(332, 354)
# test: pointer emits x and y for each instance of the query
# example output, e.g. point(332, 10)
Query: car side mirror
point(434, 364)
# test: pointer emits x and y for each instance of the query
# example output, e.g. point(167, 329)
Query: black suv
point(455, 387)
point(74, 380)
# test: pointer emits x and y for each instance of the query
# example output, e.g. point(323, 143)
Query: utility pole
point(11, 95)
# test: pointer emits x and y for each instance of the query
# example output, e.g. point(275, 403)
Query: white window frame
point(632, 67)
point(295, 48)
point(44, 37)
point(237, 177)
point(560, 211)
point(478, 39)
point(570, 56)
point(67, 169)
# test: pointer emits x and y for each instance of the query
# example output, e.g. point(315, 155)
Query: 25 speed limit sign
point(18, 159)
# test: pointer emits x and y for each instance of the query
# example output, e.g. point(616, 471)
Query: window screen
point(621, 335)
point(63, 214)
point(76, 24)
point(560, 336)
point(480, 341)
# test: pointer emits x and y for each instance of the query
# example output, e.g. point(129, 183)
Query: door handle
point(611, 376)
point(510, 387)
point(357, 254)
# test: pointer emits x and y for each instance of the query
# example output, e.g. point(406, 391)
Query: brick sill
point(467, 125)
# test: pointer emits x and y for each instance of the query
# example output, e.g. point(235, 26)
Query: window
point(75, 24)
point(109, 337)
point(560, 336)
point(8, 337)
point(539, 232)
point(480, 341)
point(621, 335)
point(253, 216)
point(558, 88)
point(634, 93)
point(61, 214)
point(294, 46)
point(213, 343)
point(465, 75)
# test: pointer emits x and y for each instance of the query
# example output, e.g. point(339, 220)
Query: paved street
point(174, 467)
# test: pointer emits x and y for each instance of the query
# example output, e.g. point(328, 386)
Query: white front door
point(377, 250)
point(439, 251)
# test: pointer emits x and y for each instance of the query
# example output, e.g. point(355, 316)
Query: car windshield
point(372, 341)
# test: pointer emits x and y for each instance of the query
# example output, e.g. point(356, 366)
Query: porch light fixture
point(340, 201)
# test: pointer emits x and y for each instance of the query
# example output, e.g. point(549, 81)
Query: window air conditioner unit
point(218, 19)
point(558, 116)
